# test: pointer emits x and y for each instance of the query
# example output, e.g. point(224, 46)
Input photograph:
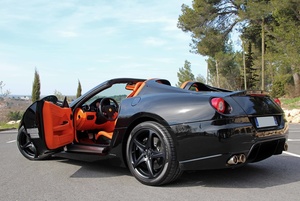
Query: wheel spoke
point(139, 161)
point(27, 135)
point(139, 145)
point(33, 149)
point(150, 140)
point(157, 154)
point(149, 164)
point(26, 145)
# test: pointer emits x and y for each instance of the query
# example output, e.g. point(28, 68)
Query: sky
point(91, 41)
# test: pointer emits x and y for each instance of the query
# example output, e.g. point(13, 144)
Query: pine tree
point(78, 94)
point(35, 95)
point(185, 73)
point(252, 77)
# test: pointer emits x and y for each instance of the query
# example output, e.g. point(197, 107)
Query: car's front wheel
point(27, 147)
point(151, 154)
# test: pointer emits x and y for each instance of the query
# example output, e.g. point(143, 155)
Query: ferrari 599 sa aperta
point(155, 129)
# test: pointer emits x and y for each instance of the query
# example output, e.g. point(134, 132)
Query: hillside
point(12, 105)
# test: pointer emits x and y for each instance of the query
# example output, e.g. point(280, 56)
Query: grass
point(290, 103)
point(4, 126)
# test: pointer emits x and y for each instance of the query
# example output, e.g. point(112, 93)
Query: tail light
point(277, 101)
point(218, 104)
point(221, 105)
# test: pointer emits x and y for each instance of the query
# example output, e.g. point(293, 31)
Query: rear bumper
point(207, 145)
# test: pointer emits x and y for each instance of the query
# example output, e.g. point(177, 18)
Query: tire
point(27, 147)
point(151, 155)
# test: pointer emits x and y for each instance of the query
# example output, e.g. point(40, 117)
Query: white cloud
point(152, 41)
point(91, 41)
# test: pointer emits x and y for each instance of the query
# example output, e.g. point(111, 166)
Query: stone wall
point(292, 116)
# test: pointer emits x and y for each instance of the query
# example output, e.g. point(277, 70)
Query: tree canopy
point(36, 87)
point(185, 73)
point(269, 35)
point(79, 90)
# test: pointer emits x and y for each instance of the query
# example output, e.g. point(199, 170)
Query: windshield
point(117, 91)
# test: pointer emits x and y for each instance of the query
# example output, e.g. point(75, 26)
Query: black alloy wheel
point(26, 146)
point(151, 155)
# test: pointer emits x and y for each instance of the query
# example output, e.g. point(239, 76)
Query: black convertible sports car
point(157, 130)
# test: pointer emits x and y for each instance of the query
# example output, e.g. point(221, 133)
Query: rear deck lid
point(257, 104)
point(261, 109)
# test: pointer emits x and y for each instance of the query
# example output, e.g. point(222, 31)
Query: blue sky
point(91, 41)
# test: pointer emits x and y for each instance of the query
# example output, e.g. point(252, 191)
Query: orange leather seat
point(137, 88)
point(104, 133)
point(108, 132)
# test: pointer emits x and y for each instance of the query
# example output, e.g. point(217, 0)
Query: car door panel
point(57, 125)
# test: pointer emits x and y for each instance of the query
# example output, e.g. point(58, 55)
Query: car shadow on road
point(275, 171)
point(92, 167)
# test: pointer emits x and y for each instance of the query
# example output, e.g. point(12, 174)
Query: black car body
point(157, 130)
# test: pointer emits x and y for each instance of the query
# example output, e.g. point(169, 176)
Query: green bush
point(14, 115)
point(277, 89)
point(279, 85)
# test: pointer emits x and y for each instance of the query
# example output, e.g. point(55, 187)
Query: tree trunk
point(244, 63)
point(263, 55)
point(296, 77)
point(217, 71)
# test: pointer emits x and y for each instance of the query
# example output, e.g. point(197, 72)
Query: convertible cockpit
point(95, 120)
point(98, 116)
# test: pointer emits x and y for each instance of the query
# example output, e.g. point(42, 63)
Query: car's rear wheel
point(151, 154)
point(27, 147)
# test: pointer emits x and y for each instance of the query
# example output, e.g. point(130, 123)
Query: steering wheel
point(108, 108)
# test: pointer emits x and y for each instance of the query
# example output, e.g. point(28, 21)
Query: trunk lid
point(262, 110)
point(256, 104)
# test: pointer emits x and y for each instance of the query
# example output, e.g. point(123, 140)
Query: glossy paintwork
point(203, 137)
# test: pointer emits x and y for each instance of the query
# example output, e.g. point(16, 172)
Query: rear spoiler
point(249, 93)
point(255, 93)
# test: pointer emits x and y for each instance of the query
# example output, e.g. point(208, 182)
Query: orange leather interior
point(86, 121)
point(59, 127)
point(137, 88)
point(104, 133)
point(194, 87)
point(184, 84)
point(108, 132)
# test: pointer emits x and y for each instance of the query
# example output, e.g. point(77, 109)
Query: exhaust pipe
point(242, 158)
point(235, 159)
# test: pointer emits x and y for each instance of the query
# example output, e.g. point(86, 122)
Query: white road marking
point(293, 140)
point(12, 141)
point(291, 154)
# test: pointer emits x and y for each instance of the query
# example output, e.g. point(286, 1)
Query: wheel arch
point(140, 119)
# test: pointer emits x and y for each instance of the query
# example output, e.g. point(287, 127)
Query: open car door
point(56, 125)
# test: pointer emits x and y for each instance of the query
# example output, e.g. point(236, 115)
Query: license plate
point(262, 122)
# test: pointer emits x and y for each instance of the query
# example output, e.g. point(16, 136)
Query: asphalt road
point(277, 178)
